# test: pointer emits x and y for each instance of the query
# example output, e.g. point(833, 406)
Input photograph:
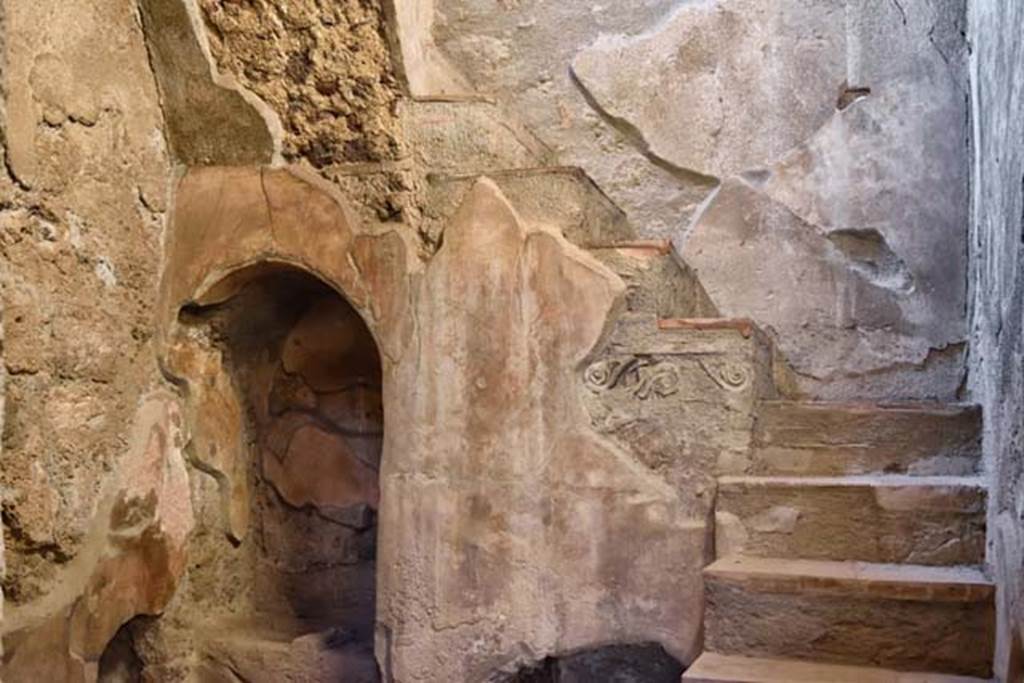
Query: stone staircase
point(849, 537)
point(850, 549)
point(850, 546)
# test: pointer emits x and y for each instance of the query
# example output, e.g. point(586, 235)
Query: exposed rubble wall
point(997, 270)
point(326, 70)
point(324, 67)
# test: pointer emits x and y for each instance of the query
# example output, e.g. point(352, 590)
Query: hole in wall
point(309, 374)
point(868, 254)
point(629, 663)
point(119, 662)
point(848, 94)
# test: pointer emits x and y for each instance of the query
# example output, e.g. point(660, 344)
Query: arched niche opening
point(308, 374)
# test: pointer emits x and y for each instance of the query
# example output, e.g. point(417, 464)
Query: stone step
point(656, 281)
point(715, 668)
point(871, 518)
point(810, 438)
point(563, 198)
point(904, 617)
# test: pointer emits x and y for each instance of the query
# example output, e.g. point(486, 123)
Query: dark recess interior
point(637, 663)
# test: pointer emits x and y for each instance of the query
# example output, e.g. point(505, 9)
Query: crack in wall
point(903, 12)
point(869, 255)
point(636, 139)
point(8, 167)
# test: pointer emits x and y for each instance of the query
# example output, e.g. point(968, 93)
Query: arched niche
point(233, 223)
point(282, 320)
point(307, 374)
point(286, 406)
point(235, 226)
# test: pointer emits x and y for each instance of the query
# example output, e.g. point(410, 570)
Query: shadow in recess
point(639, 663)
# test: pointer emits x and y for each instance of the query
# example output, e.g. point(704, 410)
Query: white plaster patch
point(75, 225)
point(730, 534)
point(105, 272)
point(733, 462)
point(775, 520)
point(47, 230)
point(919, 498)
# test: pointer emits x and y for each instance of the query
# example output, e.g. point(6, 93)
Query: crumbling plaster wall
point(808, 159)
point(997, 316)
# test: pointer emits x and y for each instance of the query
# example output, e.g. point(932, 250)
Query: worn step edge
point(963, 495)
point(918, 407)
point(639, 246)
point(824, 460)
point(745, 326)
point(715, 668)
point(856, 480)
point(922, 583)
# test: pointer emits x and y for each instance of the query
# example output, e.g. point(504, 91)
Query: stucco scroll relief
point(728, 375)
point(645, 377)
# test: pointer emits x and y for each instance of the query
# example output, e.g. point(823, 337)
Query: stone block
point(907, 618)
point(916, 520)
point(826, 439)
